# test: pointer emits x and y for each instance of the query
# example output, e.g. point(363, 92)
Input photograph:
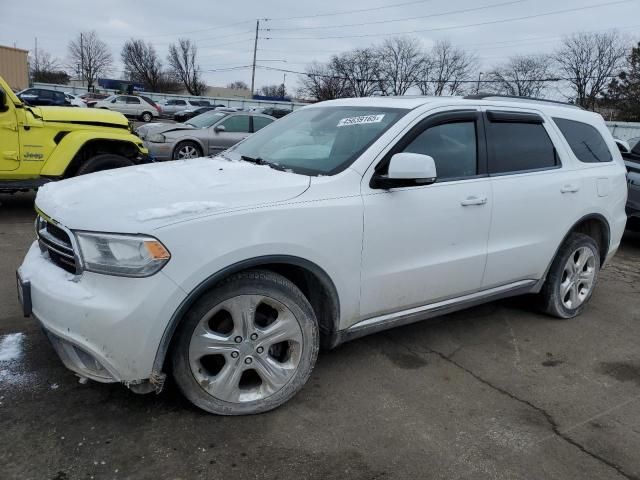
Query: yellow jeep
point(41, 144)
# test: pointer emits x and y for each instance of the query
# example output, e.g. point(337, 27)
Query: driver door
point(424, 244)
point(236, 128)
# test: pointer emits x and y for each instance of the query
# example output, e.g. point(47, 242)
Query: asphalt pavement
point(494, 392)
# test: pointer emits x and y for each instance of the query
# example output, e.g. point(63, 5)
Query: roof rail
point(484, 96)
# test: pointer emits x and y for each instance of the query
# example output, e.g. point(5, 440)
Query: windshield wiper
point(261, 161)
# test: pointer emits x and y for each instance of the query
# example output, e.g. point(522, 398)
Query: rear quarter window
point(585, 141)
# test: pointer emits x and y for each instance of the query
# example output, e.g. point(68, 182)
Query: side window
point(585, 141)
point(517, 147)
point(121, 99)
point(48, 94)
point(134, 100)
point(260, 122)
point(237, 123)
point(453, 147)
point(60, 97)
point(180, 102)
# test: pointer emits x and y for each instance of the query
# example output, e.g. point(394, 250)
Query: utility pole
point(81, 61)
point(255, 50)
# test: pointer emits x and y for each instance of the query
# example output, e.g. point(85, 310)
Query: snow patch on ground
point(176, 210)
point(11, 347)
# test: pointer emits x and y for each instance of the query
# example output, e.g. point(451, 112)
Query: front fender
point(72, 142)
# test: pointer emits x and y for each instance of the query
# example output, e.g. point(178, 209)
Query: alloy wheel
point(578, 278)
point(188, 151)
point(246, 348)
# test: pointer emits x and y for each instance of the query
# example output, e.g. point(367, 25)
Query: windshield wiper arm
point(261, 161)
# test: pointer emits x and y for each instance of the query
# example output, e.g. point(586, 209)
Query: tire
point(572, 277)
point(186, 150)
point(107, 161)
point(287, 347)
point(146, 117)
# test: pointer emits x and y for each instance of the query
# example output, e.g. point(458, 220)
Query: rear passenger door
point(134, 106)
point(258, 123)
point(536, 195)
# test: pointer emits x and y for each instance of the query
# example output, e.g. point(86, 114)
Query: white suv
point(341, 219)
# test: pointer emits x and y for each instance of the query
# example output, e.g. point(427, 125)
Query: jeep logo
point(33, 156)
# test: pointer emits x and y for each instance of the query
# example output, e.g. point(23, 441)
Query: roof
point(410, 102)
point(14, 49)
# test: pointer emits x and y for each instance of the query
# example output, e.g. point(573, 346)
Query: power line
point(492, 22)
point(174, 34)
point(347, 12)
point(548, 79)
point(451, 12)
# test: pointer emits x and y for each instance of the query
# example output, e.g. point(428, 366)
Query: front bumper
point(103, 327)
point(159, 151)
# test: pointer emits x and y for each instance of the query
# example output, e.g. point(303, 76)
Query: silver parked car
point(137, 106)
point(174, 105)
point(206, 134)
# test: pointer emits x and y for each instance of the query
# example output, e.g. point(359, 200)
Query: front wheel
point(186, 150)
point(572, 277)
point(247, 346)
point(107, 161)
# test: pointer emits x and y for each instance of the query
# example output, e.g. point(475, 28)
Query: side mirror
point(220, 128)
point(3, 101)
point(407, 170)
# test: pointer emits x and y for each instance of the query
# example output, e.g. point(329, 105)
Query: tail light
point(158, 108)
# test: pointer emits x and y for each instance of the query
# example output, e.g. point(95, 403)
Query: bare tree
point(449, 68)
point(182, 60)
point(321, 83)
point(273, 90)
point(141, 63)
point(360, 69)
point(401, 63)
point(45, 68)
point(590, 60)
point(238, 85)
point(521, 75)
point(91, 56)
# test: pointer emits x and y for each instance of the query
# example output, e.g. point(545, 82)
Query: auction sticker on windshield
point(360, 120)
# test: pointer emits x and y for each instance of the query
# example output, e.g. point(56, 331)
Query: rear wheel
point(246, 347)
point(572, 277)
point(107, 161)
point(186, 150)
point(146, 117)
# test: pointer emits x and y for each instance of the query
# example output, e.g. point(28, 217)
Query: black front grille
point(56, 243)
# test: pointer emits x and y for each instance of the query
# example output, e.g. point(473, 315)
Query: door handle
point(569, 188)
point(474, 200)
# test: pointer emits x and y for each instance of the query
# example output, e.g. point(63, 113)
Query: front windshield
point(206, 119)
point(320, 140)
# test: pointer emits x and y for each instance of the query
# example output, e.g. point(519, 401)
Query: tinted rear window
point(585, 141)
point(518, 147)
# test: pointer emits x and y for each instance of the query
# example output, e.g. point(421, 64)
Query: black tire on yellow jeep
point(105, 161)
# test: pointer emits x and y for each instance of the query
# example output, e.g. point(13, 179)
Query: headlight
point(157, 138)
point(122, 255)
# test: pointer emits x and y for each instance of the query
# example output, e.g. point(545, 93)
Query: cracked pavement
point(494, 392)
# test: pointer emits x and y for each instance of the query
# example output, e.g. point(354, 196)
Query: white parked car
point(74, 100)
point(341, 219)
point(174, 105)
point(136, 106)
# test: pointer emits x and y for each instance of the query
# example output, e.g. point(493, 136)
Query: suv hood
point(142, 198)
point(81, 116)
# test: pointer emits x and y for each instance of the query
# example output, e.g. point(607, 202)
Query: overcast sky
point(224, 31)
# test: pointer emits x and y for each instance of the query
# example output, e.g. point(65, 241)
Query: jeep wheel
point(247, 346)
point(107, 161)
point(146, 117)
point(572, 277)
point(186, 150)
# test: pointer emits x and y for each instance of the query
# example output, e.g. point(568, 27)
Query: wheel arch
point(79, 146)
point(594, 225)
point(312, 280)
